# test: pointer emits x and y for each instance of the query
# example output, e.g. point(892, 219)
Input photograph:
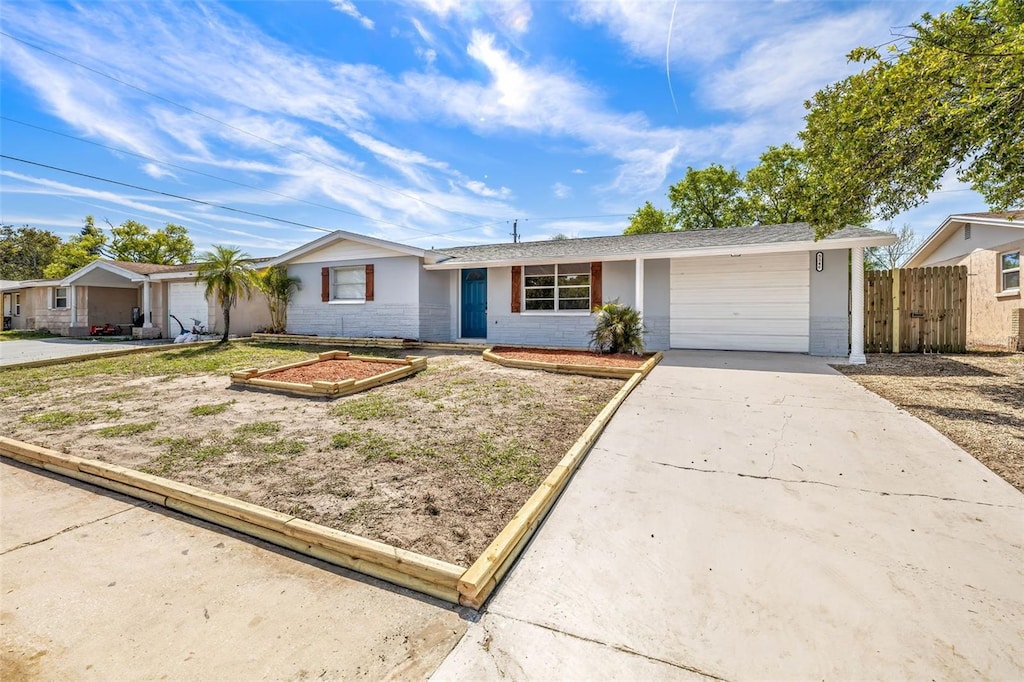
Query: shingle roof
point(1014, 214)
point(624, 245)
point(154, 269)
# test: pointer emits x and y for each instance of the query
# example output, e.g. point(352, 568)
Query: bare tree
point(894, 255)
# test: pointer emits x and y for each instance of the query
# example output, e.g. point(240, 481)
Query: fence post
point(897, 280)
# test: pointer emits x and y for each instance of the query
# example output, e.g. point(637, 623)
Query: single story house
point(116, 292)
point(765, 288)
point(989, 245)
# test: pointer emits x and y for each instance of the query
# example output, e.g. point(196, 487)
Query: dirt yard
point(976, 400)
point(437, 463)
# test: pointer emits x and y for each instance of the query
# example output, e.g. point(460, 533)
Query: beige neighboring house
point(120, 293)
point(989, 244)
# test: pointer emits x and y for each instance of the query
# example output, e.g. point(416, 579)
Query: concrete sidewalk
point(99, 586)
point(28, 350)
point(758, 516)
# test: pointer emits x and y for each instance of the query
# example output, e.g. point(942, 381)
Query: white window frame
point(54, 297)
point(16, 304)
point(1005, 271)
point(556, 310)
point(361, 269)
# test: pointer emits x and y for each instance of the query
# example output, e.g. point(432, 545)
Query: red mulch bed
point(331, 370)
point(573, 357)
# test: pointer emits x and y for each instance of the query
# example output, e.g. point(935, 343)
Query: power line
point(166, 194)
point(232, 127)
point(536, 220)
point(209, 175)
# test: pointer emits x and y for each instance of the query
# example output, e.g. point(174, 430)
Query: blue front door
point(474, 303)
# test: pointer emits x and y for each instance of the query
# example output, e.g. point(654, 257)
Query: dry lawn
point(437, 463)
point(976, 400)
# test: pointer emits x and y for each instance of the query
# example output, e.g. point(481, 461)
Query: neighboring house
point(989, 244)
point(113, 292)
point(768, 288)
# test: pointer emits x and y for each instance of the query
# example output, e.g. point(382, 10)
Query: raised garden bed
point(331, 374)
point(567, 361)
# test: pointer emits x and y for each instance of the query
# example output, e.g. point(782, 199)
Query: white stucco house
point(765, 288)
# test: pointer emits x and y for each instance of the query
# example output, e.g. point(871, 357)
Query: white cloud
point(155, 171)
point(481, 189)
point(428, 55)
point(349, 8)
point(561, 190)
point(578, 171)
point(513, 16)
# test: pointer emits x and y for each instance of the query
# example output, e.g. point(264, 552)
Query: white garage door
point(749, 302)
point(185, 301)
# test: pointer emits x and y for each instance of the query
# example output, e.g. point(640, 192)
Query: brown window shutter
point(517, 288)
point(596, 297)
point(325, 284)
point(369, 283)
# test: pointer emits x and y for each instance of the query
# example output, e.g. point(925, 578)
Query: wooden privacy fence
point(916, 310)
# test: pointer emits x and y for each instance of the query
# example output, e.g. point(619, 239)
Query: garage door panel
point(186, 301)
point(744, 303)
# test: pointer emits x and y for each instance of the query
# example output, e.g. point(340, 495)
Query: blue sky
point(430, 122)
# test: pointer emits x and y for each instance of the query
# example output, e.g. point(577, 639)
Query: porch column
point(857, 307)
point(639, 305)
point(73, 303)
point(147, 323)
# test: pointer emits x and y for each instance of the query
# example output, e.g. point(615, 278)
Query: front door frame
point(462, 315)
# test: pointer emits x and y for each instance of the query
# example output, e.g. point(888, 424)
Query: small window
point(967, 231)
point(349, 284)
point(17, 305)
point(60, 297)
point(557, 287)
point(1009, 270)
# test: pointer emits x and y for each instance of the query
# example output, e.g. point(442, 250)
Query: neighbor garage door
point(185, 301)
point(749, 302)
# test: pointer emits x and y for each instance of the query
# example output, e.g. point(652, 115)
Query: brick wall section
point(830, 336)
point(435, 322)
point(384, 320)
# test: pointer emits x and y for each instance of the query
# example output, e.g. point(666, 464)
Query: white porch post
point(857, 307)
point(73, 302)
point(146, 309)
point(640, 287)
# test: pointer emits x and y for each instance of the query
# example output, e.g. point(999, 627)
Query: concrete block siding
point(383, 320)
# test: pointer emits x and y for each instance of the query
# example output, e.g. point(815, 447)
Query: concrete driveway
point(97, 586)
point(27, 350)
point(759, 516)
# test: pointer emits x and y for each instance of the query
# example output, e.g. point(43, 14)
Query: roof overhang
point(102, 273)
point(947, 228)
point(702, 252)
point(338, 235)
point(180, 274)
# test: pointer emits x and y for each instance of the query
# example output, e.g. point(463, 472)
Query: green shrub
point(617, 329)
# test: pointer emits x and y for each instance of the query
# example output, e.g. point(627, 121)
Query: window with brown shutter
point(517, 288)
point(369, 282)
point(325, 284)
point(595, 285)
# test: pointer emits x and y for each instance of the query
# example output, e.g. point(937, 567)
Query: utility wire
point(232, 127)
point(208, 175)
point(166, 194)
point(533, 220)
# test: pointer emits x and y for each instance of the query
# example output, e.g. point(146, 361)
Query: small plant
point(258, 429)
point(617, 329)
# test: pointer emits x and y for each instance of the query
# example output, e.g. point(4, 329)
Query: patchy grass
point(60, 419)
point(23, 334)
point(211, 409)
point(124, 430)
point(367, 406)
point(256, 429)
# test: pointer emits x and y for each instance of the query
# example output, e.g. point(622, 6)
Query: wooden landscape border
point(601, 371)
point(450, 582)
point(406, 366)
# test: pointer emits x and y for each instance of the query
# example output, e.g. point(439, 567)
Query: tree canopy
point(78, 251)
point(132, 241)
point(648, 219)
point(707, 198)
point(25, 252)
point(949, 94)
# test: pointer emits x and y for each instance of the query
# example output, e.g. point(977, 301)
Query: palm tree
point(279, 288)
point(227, 275)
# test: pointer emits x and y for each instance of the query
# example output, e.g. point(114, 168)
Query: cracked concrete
point(888, 554)
point(99, 586)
